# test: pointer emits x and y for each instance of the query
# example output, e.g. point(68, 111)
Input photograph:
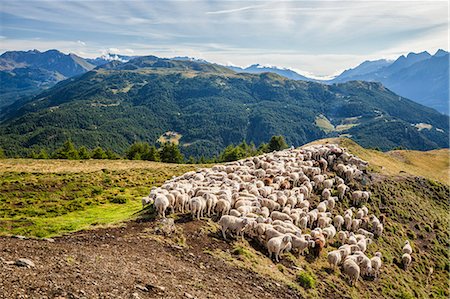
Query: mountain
point(209, 106)
point(421, 77)
point(68, 65)
point(108, 57)
point(364, 68)
point(25, 73)
point(259, 69)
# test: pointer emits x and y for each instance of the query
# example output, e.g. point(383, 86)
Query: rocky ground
point(130, 261)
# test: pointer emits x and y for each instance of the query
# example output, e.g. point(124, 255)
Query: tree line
point(167, 152)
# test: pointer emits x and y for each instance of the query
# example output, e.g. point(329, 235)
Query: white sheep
point(352, 270)
point(406, 260)
point(197, 206)
point(407, 248)
point(223, 207)
point(275, 215)
point(338, 221)
point(334, 258)
point(161, 204)
point(146, 201)
point(278, 244)
point(376, 263)
point(232, 224)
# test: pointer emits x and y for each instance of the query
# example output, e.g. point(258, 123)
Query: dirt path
point(127, 262)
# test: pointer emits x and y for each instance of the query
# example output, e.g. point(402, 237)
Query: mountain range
point(25, 73)
point(208, 106)
point(421, 77)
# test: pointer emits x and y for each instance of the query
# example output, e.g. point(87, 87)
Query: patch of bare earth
point(129, 262)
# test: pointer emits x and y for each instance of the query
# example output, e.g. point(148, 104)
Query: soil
point(129, 262)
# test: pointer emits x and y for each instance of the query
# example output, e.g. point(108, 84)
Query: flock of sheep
point(286, 201)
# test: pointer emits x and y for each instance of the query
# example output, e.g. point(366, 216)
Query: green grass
point(48, 198)
point(306, 280)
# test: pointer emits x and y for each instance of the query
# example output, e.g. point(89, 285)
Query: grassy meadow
point(44, 198)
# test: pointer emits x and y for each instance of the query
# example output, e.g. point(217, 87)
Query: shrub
point(306, 280)
point(277, 143)
point(98, 153)
point(170, 153)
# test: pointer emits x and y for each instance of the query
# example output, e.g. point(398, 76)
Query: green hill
point(210, 106)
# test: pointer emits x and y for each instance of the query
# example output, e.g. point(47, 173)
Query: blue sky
point(314, 37)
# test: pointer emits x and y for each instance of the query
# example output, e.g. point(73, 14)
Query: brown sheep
point(285, 185)
point(319, 244)
point(268, 181)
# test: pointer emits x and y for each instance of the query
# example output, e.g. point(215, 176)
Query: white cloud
point(319, 37)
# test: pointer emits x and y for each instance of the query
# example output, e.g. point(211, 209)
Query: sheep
point(407, 248)
point(271, 233)
point(197, 206)
point(299, 243)
point(235, 213)
point(334, 258)
point(180, 201)
point(274, 193)
point(317, 247)
point(326, 193)
point(378, 230)
point(376, 264)
point(275, 215)
point(329, 232)
point(146, 201)
point(233, 224)
point(161, 204)
point(406, 260)
point(352, 270)
point(362, 244)
point(342, 236)
point(365, 233)
point(223, 207)
point(338, 221)
point(365, 265)
point(278, 244)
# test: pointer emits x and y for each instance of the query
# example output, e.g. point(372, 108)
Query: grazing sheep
point(407, 248)
point(406, 260)
point(277, 245)
point(376, 264)
point(232, 224)
point(338, 221)
point(161, 204)
point(378, 230)
point(334, 258)
point(299, 243)
point(146, 201)
point(352, 270)
point(223, 207)
point(275, 215)
point(317, 247)
point(197, 206)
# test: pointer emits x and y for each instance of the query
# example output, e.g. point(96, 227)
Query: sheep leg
point(223, 234)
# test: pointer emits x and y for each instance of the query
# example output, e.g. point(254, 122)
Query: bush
point(306, 280)
point(98, 153)
point(277, 143)
point(66, 151)
point(83, 153)
point(170, 153)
